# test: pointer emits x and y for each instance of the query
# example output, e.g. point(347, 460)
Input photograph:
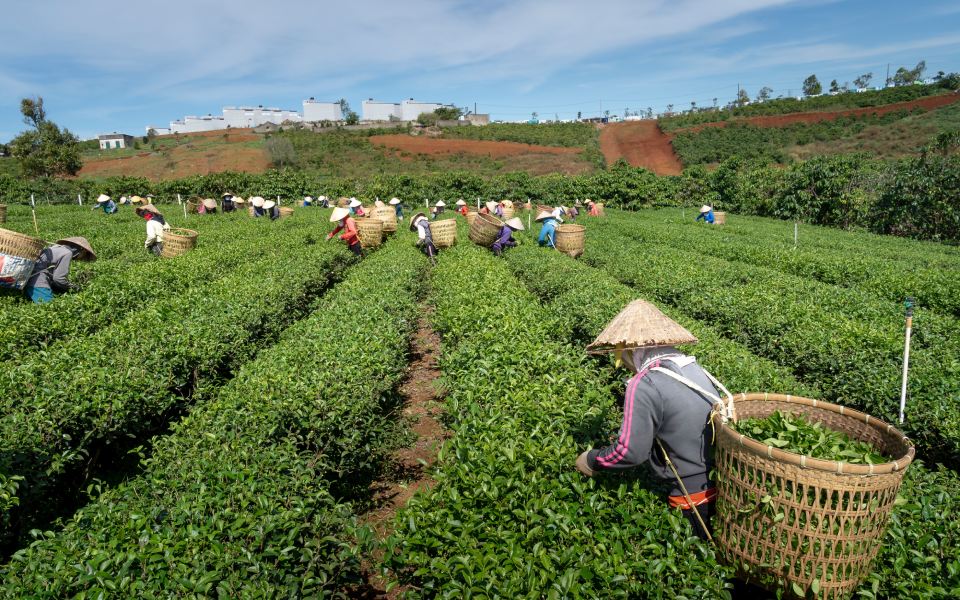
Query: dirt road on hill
point(642, 144)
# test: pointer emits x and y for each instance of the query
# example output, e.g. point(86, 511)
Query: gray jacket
point(657, 406)
point(52, 269)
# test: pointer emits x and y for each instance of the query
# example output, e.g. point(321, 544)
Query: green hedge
point(250, 495)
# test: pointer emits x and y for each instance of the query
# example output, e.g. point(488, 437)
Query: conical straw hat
point(394, 201)
point(515, 223)
point(441, 203)
point(491, 206)
point(147, 208)
point(257, 201)
point(210, 203)
point(704, 208)
point(640, 325)
point(82, 244)
point(338, 213)
point(544, 215)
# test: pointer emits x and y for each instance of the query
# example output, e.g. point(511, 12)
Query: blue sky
point(106, 65)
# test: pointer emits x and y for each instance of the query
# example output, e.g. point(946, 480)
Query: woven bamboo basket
point(285, 211)
point(3, 213)
point(444, 233)
point(600, 212)
point(193, 206)
point(370, 232)
point(471, 216)
point(834, 514)
point(719, 218)
point(178, 241)
point(250, 210)
point(388, 215)
point(570, 239)
point(18, 244)
point(484, 230)
point(508, 212)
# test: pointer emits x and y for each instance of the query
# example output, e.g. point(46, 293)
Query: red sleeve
point(350, 235)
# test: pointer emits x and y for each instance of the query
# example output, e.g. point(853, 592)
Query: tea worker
point(239, 202)
point(227, 203)
point(505, 237)
point(497, 209)
point(323, 201)
point(208, 206)
point(271, 209)
point(559, 212)
point(706, 213)
point(667, 408)
point(105, 203)
point(356, 207)
point(50, 273)
point(257, 202)
point(421, 225)
point(488, 208)
point(156, 225)
point(437, 209)
point(594, 210)
point(548, 231)
point(462, 207)
point(123, 200)
point(573, 212)
point(397, 206)
point(307, 201)
point(345, 223)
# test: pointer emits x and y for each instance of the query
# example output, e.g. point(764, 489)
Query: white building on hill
point(192, 124)
point(316, 110)
point(372, 110)
point(411, 109)
point(254, 116)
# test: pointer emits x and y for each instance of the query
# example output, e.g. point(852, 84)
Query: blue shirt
point(548, 233)
point(109, 207)
point(707, 216)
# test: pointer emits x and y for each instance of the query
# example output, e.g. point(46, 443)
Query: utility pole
point(887, 81)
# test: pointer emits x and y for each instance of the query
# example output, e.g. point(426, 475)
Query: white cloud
point(205, 49)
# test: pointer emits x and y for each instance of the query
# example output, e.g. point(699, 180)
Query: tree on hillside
point(281, 151)
point(669, 109)
point(811, 86)
point(714, 103)
point(349, 116)
point(693, 105)
point(649, 112)
point(863, 81)
point(764, 94)
point(743, 98)
point(905, 76)
point(448, 113)
point(834, 87)
point(44, 150)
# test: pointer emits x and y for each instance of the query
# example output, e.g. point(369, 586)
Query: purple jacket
point(504, 239)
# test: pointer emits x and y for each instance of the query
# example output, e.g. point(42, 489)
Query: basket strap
point(726, 405)
point(683, 488)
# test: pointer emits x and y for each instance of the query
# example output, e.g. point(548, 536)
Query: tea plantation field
point(216, 425)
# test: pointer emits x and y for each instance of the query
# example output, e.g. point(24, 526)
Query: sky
point(106, 65)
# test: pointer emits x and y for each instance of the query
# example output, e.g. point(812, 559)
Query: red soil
point(642, 144)
point(439, 146)
point(198, 154)
point(928, 103)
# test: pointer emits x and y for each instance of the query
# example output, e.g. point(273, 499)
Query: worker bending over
point(706, 213)
point(105, 203)
point(667, 411)
point(348, 225)
point(50, 274)
point(505, 236)
point(548, 229)
point(421, 225)
point(156, 226)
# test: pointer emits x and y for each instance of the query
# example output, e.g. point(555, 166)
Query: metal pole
point(906, 357)
point(795, 233)
point(33, 210)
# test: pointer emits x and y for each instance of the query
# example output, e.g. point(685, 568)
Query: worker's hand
point(582, 465)
point(166, 226)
